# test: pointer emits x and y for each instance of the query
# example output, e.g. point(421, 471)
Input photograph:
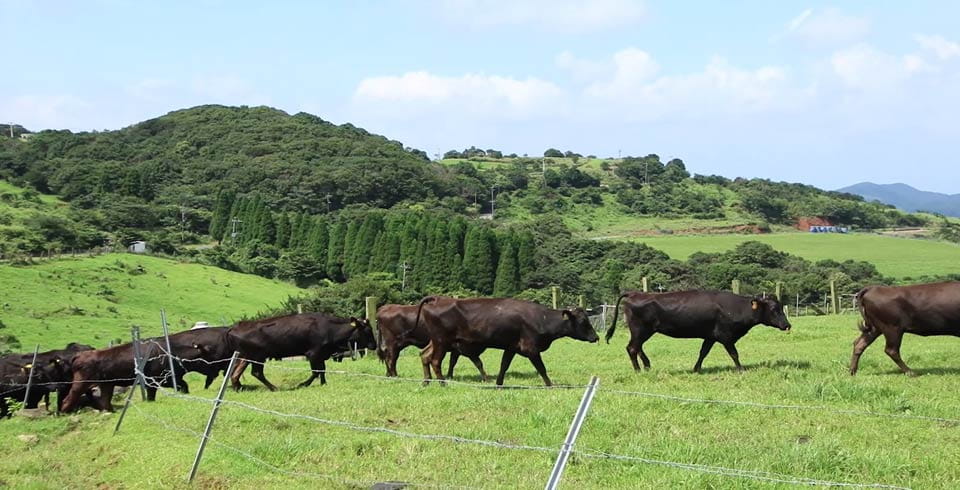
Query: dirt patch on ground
point(806, 222)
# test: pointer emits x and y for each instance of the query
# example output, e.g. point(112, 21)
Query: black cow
point(518, 327)
point(314, 335)
point(207, 350)
point(52, 372)
point(108, 368)
point(714, 316)
point(922, 309)
point(398, 330)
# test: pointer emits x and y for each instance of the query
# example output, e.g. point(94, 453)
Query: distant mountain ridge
point(907, 198)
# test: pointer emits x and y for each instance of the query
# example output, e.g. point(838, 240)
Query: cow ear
point(568, 314)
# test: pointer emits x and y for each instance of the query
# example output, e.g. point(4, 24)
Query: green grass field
point(806, 367)
point(95, 300)
point(896, 257)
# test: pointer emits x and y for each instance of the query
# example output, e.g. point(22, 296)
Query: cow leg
point(893, 350)
point(436, 362)
point(237, 372)
point(538, 364)
point(863, 341)
point(454, 357)
point(704, 350)
point(151, 393)
point(209, 380)
point(504, 365)
point(425, 356)
point(635, 348)
point(77, 389)
point(106, 397)
point(257, 372)
point(479, 364)
point(391, 356)
point(732, 350)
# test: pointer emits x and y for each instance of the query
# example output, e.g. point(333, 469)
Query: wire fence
point(757, 475)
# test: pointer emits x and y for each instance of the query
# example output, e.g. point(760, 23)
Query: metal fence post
point(166, 335)
point(138, 365)
point(26, 396)
point(213, 416)
point(575, 426)
point(133, 388)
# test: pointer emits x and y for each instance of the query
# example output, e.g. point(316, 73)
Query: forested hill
point(160, 179)
point(187, 156)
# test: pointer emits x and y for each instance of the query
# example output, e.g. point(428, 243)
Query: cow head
point(580, 326)
point(362, 334)
point(769, 311)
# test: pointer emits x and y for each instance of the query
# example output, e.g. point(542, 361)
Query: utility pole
point(543, 171)
point(233, 234)
point(405, 268)
point(183, 220)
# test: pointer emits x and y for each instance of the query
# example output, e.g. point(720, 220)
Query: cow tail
point(616, 311)
point(416, 324)
point(863, 325)
point(380, 352)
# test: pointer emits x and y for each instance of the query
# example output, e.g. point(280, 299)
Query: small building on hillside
point(138, 247)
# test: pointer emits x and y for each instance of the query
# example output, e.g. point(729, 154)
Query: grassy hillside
point(806, 367)
point(895, 257)
point(31, 222)
point(95, 300)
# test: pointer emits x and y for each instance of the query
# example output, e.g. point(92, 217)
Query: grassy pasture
point(95, 300)
point(896, 257)
point(806, 367)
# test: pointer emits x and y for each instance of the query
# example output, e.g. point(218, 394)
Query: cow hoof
point(911, 374)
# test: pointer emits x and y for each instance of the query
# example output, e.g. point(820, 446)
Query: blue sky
point(822, 93)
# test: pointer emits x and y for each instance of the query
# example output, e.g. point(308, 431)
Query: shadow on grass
point(936, 371)
point(782, 363)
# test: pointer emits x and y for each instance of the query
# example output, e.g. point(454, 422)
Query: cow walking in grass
point(714, 316)
point(471, 326)
point(398, 330)
point(314, 335)
point(922, 309)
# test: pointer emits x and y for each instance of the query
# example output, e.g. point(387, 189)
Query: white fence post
point(213, 416)
point(578, 419)
point(166, 335)
point(26, 396)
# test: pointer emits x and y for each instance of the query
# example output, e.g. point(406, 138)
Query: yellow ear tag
point(755, 305)
point(354, 324)
point(27, 366)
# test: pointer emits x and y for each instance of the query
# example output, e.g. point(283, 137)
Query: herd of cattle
point(439, 325)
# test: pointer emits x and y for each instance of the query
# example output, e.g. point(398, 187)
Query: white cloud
point(826, 26)
point(720, 88)
point(489, 94)
point(59, 111)
point(941, 47)
point(559, 15)
point(867, 68)
point(582, 70)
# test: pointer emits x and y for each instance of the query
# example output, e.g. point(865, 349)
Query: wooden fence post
point(370, 303)
point(778, 290)
point(834, 300)
point(555, 294)
point(645, 284)
point(581, 301)
point(735, 286)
